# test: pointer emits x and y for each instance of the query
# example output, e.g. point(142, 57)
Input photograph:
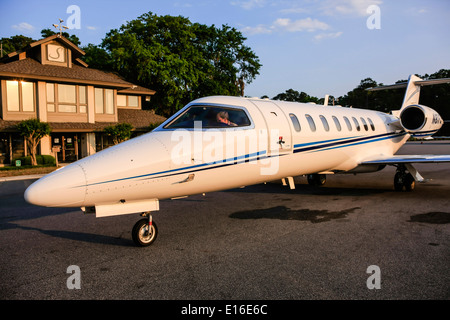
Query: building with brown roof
point(48, 80)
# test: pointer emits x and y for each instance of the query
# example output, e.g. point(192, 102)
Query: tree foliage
point(435, 96)
point(293, 95)
point(20, 42)
point(33, 130)
point(179, 59)
point(15, 43)
point(71, 37)
point(119, 132)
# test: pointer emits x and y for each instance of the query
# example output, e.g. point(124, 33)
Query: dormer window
point(56, 53)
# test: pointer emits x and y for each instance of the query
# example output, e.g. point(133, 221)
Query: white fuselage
point(168, 163)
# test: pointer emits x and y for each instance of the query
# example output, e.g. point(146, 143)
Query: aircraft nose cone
point(65, 187)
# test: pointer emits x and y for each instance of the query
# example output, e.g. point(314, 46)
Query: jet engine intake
point(420, 121)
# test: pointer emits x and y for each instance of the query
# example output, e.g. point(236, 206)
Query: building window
point(127, 101)
point(19, 96)
point(295, 122)
point(27, 96)
point(104, 101)
point(66, 98)
point(82, 99)
point(133, 101)
point(50, 97)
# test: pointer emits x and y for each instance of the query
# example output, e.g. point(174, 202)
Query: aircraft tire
point(398, 182)
point(316, 180)
point(409, 182)
point(139, 235)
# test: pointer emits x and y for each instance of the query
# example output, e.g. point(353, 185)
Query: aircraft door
point(278, 128)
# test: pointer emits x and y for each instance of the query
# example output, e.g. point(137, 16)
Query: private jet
point(221, 142)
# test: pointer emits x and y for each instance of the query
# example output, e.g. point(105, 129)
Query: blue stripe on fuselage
point(315, 146)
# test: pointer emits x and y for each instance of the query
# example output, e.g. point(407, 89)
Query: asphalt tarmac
point(354, 238)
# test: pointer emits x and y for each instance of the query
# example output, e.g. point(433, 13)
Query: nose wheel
point(145, 231)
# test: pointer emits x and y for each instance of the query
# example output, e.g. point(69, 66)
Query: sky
point(316, 46)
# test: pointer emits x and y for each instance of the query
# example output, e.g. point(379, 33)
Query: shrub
point(43, 160)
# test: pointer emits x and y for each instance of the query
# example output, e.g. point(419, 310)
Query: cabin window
point(295, 122)
point(312, 125)
point(337, 123)
point(365, 124)
point(347, 122)
point(358, 128)
point(325, 123)
point(210, 117)
point(371, 124)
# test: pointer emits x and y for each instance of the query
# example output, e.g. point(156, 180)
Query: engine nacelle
point(420, 121)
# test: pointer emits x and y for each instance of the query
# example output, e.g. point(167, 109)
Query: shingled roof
point(31, 69)
point(24, 64)
point(139, 119)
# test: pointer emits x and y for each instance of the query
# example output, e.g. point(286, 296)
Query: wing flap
point(420, 158)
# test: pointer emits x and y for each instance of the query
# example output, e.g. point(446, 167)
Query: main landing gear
point(403, 179)
point(316, 179)
point(145, 231)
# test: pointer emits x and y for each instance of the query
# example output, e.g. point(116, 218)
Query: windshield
point(210, 117)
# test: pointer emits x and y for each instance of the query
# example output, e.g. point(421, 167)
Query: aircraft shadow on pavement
point(310, 190)
point(79, 236)
point(431, 217)
point(285, 213)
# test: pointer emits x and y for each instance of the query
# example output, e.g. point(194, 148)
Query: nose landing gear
point(145, 231)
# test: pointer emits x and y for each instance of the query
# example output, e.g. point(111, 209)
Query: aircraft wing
point(407, 159)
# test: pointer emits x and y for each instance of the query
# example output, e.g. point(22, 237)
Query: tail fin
point(412, 88)
point(412, 92)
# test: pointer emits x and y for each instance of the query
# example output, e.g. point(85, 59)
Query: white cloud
point(287, 25)
point(182, 5)
point(23, 27)
point(294, 11)
point(91, 28)
point(249, 4)
point(259, 29)
point(414, 11)
point(307, 24)
point(331, 35)
point(347, 7)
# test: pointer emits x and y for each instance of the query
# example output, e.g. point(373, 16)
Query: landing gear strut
point(403, 179)
point(145, 231)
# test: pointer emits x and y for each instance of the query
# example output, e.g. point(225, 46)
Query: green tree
point(294, 95)
point(119, 132)
point(180, 60)
point(33, 130)
point(15, 43)
point(49, 32)
point(97, 58)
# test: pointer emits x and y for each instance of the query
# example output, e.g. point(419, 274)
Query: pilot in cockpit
point(222, 119)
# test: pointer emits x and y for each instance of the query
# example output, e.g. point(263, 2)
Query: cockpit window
point(210, 117)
